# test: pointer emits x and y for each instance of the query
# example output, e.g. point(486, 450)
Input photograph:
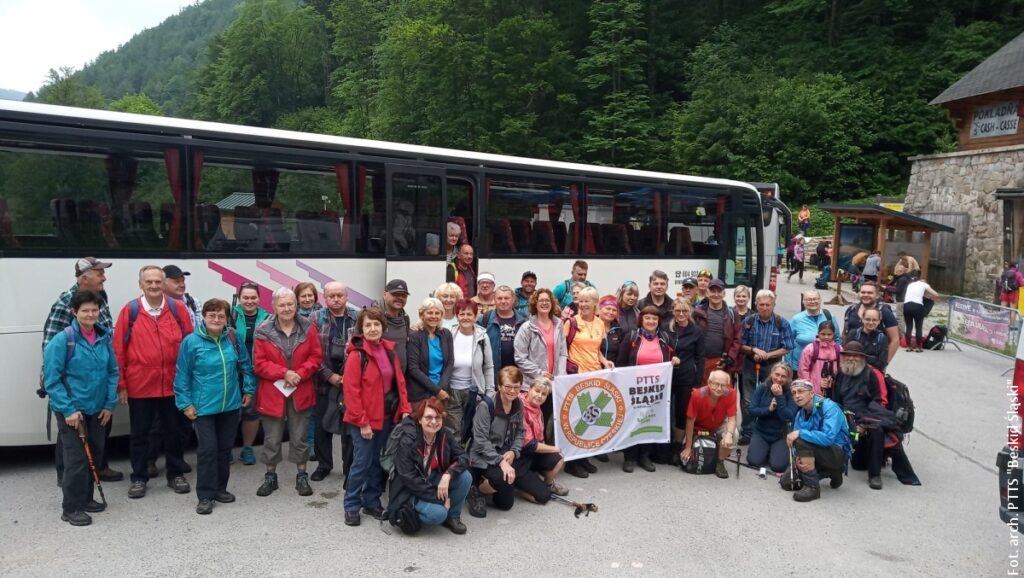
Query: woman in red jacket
point(375, 399)
point(286, 355)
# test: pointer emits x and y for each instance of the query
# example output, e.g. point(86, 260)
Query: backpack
point(387, 455)
point(900, 403)
point(1008, 281)
point(851, 313)
point(816, 351)
point(936, 339)
point(133, 314)
point(820, 283)
point(570, 365)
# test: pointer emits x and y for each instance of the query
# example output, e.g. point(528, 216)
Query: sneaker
point(720, 470)
point(92, 506)
point(109, 475)
point(319, 474)
point(628, 466)
point(587, 465)
point(576, 470)
point(179, 485)
point(248, 456)
point(204, 507)
point(455, 525)
point(137, 490)
point(76, 518)
point(352, 519)
point(151, 470)
point(477, 507)
point(646, 464)
point(875, 482)
point(836, 480)
point(302, 484)
point(558, 489)
point(268, 486)
point(807, 494)
point(375, 513)
point(224, 497)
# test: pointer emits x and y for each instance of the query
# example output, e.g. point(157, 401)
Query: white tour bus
point(232, 204)
point(778, 224)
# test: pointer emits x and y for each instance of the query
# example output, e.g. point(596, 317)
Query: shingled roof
point(1001, 71)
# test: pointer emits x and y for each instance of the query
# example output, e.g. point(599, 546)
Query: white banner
point(609, 410)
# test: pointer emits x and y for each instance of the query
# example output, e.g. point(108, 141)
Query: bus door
point(416, 206)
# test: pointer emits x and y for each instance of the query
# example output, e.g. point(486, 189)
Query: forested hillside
point(826, 98)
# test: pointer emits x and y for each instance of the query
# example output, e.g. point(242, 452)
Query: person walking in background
point(916, 308)
point(872, 266)
point(1009, 282)
point(798, 261)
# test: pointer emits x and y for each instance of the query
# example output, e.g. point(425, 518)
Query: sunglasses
point(249, 285)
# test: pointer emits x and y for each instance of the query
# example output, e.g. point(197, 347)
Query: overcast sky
point(37, 35)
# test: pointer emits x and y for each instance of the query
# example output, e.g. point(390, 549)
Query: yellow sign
point(893, 206)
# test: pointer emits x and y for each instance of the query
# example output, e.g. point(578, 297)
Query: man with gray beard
point(858, 391)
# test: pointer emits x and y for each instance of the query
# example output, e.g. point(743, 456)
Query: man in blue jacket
point(501, 325)
point(821, 438)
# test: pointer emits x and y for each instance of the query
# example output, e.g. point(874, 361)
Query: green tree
point(62, 87)
point(137, 103)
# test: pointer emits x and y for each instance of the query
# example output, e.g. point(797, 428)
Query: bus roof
point(160, 125)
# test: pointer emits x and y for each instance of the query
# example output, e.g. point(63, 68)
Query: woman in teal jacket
point(211, 362)
point(80, 378)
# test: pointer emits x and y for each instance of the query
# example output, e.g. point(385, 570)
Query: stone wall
point(965, 182)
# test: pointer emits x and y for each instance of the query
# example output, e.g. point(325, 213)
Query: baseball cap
point(396, 286)
point(175, 272)
point(86, 264)
point(485, 277)
point(716, 283)
point(529, 275)
point(689, 281)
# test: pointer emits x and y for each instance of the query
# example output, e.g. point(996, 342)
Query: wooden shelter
point(889, 225)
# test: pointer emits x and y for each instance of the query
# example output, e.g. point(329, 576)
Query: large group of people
point(454, 408)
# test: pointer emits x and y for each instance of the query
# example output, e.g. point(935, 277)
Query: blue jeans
point(365, 480)
point(434, 514)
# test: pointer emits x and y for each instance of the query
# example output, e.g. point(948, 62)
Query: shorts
point(249, 412)
point(545, 462)
point(1008, 297)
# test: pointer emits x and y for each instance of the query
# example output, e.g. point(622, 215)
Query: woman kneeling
point(432, 468)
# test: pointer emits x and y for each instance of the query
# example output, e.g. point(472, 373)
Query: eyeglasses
point(215, 316)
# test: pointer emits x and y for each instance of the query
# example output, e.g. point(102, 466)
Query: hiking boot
point(352, 519)
point(720, 470)
point(455, 525)
point(76, 518)
point(179, 485)
point(646, 464)
point(603, 458)
point(151, 470)
point(224, 497)
point(137, 490)
point(92, 506)
point(587, 465)
point(744, 440)
point(375, 513)
point(204, 507)
point(109, 475)
point(248, 456)
point(836, 480)
point(875, 482)
point(477, 507)
point(807, 494)
point(628, 466)
point(319, 474)
point(558, 489)
point(268, 486)
point(576, 470)
point(302, 484)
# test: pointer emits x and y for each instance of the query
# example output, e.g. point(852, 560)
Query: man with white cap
point(90, 274)
point(484, 297)
point(821, 440)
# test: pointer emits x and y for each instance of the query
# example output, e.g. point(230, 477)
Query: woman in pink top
point(646, 345)
point(819, 362)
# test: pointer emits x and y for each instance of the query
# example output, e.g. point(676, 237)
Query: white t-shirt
point(915, 292)
point(462, 377)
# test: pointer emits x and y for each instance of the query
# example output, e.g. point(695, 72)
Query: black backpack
point(936, 337)
point(1008, 281)
point(900, 403)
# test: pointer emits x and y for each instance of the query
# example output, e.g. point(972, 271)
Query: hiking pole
point(739, 455)
point(88, 457)
point(580, 507)
point(795, 482)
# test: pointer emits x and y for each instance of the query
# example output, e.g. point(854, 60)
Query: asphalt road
point(662, 523)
